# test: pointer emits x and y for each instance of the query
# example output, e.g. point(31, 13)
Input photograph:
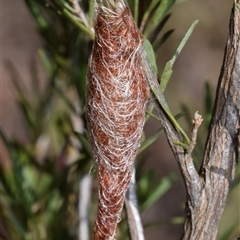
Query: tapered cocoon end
point(117, 94)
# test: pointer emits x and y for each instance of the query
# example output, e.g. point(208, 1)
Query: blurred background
point(200, 61)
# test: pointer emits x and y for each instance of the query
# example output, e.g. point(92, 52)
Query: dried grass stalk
point(117, 93)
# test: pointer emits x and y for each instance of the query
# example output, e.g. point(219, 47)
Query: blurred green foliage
point(40, 184)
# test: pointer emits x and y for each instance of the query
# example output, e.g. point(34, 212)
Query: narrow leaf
point(151, 55)
point(153, 116)
point(162, 40)
point(152, 38)
point(37, 14)
point(134, 6)
point(27, 112)
point(157, 15)
point(145, 144)
point(167, 72)
point(16, 78)
point(46, 62)
point(91, 12)
point(159, 190)
point(150, 140)
point(155, 88)
point(147, 13)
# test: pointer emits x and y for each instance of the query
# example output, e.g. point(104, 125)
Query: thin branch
point(207, 192)
point(222, 148)
point(85, 185)
point(79, 12)
point(171, 128)
point(196, 124)
point(133, 217)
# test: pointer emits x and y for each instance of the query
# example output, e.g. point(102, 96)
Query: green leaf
point(7, 184)
point(177, 220)
point(10, 148)
point(152, 38)
point(34, 181)
point(167, 72)
point(149, 113)
point(18, 227)
point(27, 111)
point(165, 78)
point(146, 143)
point(37, 14)
point(69, 16)
point(34, 78)
point(134, 6)
point(16, 78)
point(84, 142)
point(91, 12)
point(157, 15)
point(54, 202)
point(48, 66)
point(63, 95)
point(150, 140)
point(162, 40)
point(147, 13)
point(151, 55)
point(155, 191)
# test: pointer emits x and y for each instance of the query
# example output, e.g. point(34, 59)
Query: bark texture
point(206, 204)
point(207, 190)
